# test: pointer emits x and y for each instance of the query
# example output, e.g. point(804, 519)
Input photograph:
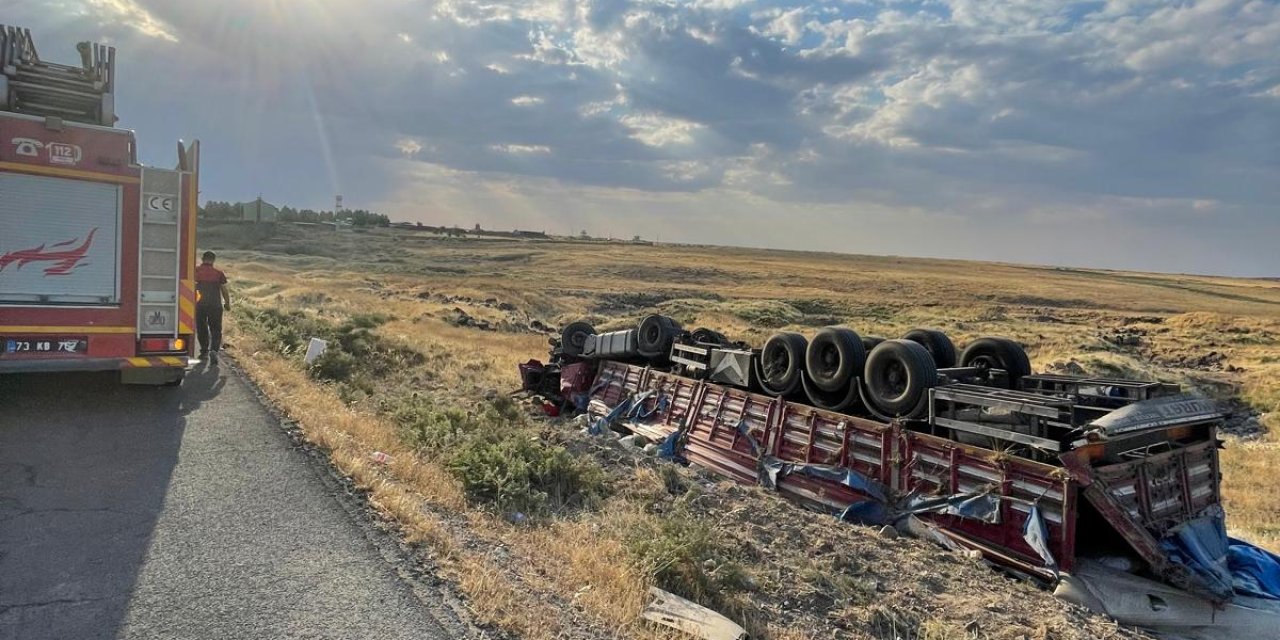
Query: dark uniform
point(209, 283)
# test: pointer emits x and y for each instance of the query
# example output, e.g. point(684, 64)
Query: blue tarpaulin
point(1036, 535)
point(1254, 572)
point(1200, 545)
point(774, 470)
point(638, 411)
point(670, 447)
point(979, 506)
point(600, 426)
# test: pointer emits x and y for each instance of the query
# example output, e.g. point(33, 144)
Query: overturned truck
point(1106, 490)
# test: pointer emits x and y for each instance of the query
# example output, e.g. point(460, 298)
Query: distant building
point(258, 211)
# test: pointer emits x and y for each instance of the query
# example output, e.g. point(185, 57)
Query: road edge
point(415, 569)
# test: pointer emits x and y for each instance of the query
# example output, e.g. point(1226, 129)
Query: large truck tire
point(573, 338)
point(654, 335)
point(998, 353)
point(834, 358)
point(703, 335)
point(870, 342)
point(782, 362)
point(937, 344)
point(898, 376)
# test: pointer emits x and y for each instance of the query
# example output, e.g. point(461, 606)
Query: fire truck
point(96, 250)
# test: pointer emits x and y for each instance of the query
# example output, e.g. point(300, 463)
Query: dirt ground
point(471, 309)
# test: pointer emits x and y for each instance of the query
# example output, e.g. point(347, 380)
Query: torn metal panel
point(694, 619)
point(1172, 612)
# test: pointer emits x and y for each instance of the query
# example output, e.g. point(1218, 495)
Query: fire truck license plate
point(45, 345)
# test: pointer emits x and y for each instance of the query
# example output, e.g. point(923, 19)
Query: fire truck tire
point(937, 344)
point(654, 335)
point(870, 342)
point(834, 357)
point(782, 360)
point(573, 338)
point(899, 374)
point(998, 353)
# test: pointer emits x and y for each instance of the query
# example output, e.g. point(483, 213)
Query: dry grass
point(571, 575)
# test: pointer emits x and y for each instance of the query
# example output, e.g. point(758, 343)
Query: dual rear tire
point(897, 378)
point(998, 353)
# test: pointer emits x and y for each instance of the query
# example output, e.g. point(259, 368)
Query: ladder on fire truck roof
point(31, 86)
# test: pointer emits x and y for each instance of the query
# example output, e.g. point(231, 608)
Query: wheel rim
point(985, 362)
point(776, 363)
point(892, 382)
point(828, 360)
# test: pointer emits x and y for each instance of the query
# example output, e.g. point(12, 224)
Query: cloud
point(1010, 125)
point(408, 146)
point(659, 131)
point(134, 15)
point(521, 149)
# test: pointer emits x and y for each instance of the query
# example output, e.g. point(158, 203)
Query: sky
point(1121, 134)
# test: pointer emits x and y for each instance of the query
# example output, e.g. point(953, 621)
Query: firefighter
point(211, 285)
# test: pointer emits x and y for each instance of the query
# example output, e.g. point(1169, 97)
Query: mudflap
point(153, 376)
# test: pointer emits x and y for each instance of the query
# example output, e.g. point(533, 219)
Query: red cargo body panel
point(714, 440)
point(808, 435)
point(718, 419)
point(576, 377)
point(937, 466)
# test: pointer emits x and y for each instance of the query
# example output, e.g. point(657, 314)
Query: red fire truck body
point(96, 250)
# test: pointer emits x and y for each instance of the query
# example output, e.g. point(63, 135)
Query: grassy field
point(530, 516)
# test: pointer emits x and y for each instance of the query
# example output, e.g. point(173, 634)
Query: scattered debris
point(1126, 337)
point(1069, 367)
point(459, 318)
point(673, 611)
point(1242, 421)
point(315, 348)
point(379, 457)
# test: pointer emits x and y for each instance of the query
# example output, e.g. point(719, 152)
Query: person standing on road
point(211, 285)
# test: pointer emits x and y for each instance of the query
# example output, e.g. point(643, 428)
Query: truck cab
point(97, 251)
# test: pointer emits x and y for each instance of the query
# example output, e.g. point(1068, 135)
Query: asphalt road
point(142, 512)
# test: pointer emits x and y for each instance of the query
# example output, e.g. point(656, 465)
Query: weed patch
point(682, 554)
point(513, 472)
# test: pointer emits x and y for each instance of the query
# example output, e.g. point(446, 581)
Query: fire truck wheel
point(937, 344)
point(899, 374)
point(782, 360)
point(834, 357)
point(997, 353)
point(574, 337)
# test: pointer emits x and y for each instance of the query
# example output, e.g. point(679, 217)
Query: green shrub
point(334, 365)
point(425, 426)
point(514, 472)
point(681, 553)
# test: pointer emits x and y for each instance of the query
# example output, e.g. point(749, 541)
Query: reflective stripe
point(186, 307)
point(157, 361)
point(85, 329)
point(69, 173)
